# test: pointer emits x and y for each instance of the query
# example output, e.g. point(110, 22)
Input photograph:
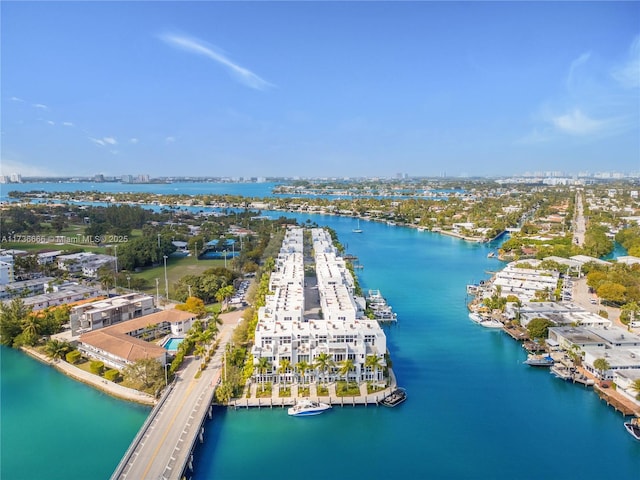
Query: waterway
point(473, 409)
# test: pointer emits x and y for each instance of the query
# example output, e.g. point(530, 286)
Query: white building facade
point(303, 322)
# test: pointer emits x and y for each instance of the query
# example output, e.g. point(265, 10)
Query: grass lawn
point(177, 267)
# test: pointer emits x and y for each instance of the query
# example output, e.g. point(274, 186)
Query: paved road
point(161, 450)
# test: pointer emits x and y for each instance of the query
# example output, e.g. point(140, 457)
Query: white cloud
point(577, 123)
point(243, 75)
point(16, 99)
point(581, 60)
point(50, 122)
point(170, 139)
point(628, 73)
point(104, 141)
point(67, 124)
point(41, 106)
point(133, 141)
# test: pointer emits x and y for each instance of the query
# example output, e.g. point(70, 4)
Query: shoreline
point(99, 383)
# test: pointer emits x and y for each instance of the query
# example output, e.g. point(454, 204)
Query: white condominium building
point(303, 319)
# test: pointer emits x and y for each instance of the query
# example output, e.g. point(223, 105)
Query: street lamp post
point(166, 280)
point(157, 292)
point(129, 282)
point(115, 278)
point(225, 258)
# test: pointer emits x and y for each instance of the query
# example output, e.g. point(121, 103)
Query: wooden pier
point(615, 400)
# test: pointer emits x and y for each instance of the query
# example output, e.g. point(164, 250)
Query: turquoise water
point(473, 409)
point(173, 343)
point(56, 428)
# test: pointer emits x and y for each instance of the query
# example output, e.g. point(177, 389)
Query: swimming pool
point(172, 344)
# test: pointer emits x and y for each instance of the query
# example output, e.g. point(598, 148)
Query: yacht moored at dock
point(306, 408)
point(395, 398)
point(633, 427)
point(539, 361)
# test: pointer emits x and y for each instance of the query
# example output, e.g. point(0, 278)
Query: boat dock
point(615, 400)
point(365, 398)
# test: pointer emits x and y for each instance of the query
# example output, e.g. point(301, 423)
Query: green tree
point(283, 368)
point(224, 392)
point(539, 327)
point(301, 369)
point(636, 387)
point(612, 292)
point(323, 362)
point(629, 312)
point(373, 362)
point(146, 374)
point(56, 349)
point(223, 295)
point(30, 330)
point(346, 366)
point(601, 365)
point(262, 368)
point(12, 316)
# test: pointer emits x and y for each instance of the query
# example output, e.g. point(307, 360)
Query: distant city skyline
point(319, 89)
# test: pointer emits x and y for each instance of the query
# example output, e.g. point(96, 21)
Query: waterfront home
point(624, 380)
point(524, 283)
point(125, 343)
point(560, 313)
point(95, 315)
point(306, 317)
point(619, 359)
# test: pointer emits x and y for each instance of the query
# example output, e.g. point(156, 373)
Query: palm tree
point(263, 367)
point(373, 362)
point(323, 363)
point(602, 365)
point(301, 368)
point(56, 349)
point(30, 329)
point(636, 386)
point(224, 293)
point(345, 367)
point(285, 366)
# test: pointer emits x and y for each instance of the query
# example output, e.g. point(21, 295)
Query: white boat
point(633, 427)
point(476, 317)
point(357, 230)
point(539, 361)
point(491, 323)
point(306, 408)
point(561, 372)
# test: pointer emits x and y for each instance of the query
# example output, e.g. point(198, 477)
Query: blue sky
point(319, 88)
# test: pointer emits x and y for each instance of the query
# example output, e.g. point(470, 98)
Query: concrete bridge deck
point(163, 447)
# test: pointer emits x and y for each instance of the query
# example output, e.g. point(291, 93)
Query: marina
point(379, 307)
point(438, 344)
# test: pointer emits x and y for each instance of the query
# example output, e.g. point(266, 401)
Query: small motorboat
point(633, 427)
point(539, 361)
point(306, 408)
point(395, 398)
point(492, 323)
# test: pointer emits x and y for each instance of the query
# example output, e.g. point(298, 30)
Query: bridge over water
point(163, 447)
